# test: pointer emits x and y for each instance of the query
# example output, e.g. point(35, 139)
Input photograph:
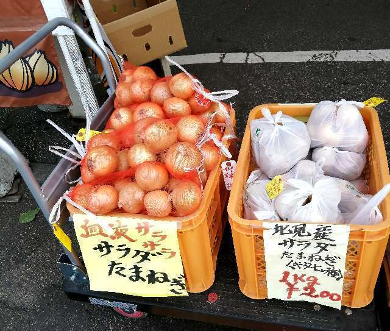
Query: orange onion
point(190, 129)
point(116, 103)
point(181, 86)
point(103, 199)
point(86, 175)
point(133, 107)
point(219, 116)
point(124, 94)
point(140, 126)
point(198, 103)
point(108, 130)
point(138, 154)
point(101, 161)
point(206, 116)
point(186, 198)
point(144, 72)
point(176, 107)
point(80, 194)
point(182, 158)
point(160, 135)
point(210, 155)
point(157, 203)
point(104, 139)
point(160, 92)
point(172, 184)
point(127, 76)
point(148, 109)
point(151, 176)
point(140, 90)
point(217, 132)
point(120, 118)
point(203, 175)
point(122, 160)
point(131, 198)
point(120, 183)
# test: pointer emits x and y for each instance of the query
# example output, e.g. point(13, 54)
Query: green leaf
point(28, 216)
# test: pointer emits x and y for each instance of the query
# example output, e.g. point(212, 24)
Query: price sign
point(142, 257)
point(306, 262)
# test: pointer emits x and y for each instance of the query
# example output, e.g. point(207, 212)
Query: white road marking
point(293, 57)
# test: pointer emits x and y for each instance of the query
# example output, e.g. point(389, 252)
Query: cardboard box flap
point(111, 10)
point(150, 13)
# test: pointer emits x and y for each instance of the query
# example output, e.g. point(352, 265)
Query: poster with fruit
point(36, 78)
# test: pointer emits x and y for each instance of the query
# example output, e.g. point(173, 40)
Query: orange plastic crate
point(199, 234)
point(367, 244)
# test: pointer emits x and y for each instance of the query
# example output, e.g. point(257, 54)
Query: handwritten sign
point(306, 262)
point(228, 170)
point(141, 257)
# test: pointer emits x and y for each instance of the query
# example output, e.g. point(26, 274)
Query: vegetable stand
point(223, 303)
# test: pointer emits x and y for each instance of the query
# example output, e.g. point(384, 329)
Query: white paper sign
point(228, 170)
point(306, 262)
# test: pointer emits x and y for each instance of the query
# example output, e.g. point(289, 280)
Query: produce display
point(326, 189)
point(157, 149)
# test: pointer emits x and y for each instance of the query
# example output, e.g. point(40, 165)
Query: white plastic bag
point(257, 204)
point(361, 185)
point(305, 170)
point(368, 213)
point(302, 202)
point(351, 197)
point(341, 164)
point(338, 125)
point(278, 142)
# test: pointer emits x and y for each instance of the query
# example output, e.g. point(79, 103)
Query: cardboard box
point(143, 30)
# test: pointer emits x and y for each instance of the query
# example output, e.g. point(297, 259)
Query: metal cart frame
point(231, 307)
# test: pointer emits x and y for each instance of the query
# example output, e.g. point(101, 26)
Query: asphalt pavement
point(30, 282)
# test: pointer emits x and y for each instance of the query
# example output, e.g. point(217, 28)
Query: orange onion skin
point(157, 203)
point(144, 72)
point(140, 90)
point(160, 135)
point(138, 154)
point(131, 198)
point(80, 194)
point(127, 76)
point(116, 103)
point(219, 116)
point(120, 183)
point(217, 132)
point(103, 199)
point(104, 139)
point(148, 109)
point(176, 107)
point(182, 158)
point(101, 161)
point(172, 184)
point(160, 92)
point(211, 156)
point(122, 160)
point(190, 129)
point(198, 103)
point(151, 176)
point(186, 198)
point(120, 118)
point(140, 127)
point(181, 86)
point(86, 175)
point(124, 94)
